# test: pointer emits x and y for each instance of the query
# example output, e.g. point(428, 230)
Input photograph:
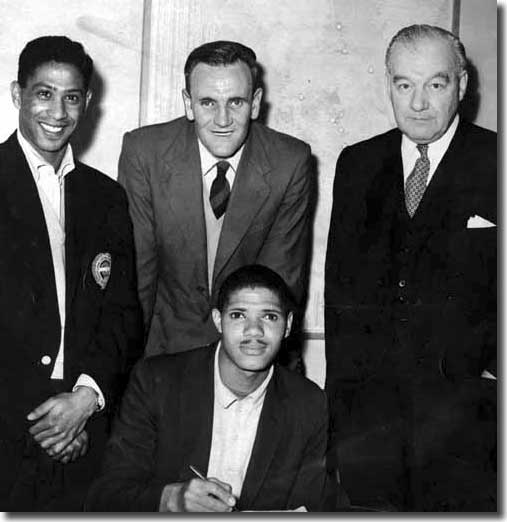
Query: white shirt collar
point(225, 397)
point(35, 160)
point(436, 150)
point(208, 161)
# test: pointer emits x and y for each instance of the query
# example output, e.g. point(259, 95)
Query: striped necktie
point(220, 190)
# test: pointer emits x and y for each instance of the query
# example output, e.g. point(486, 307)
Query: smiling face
point(253, 325)
point(425, 88)
point(221, 104)
point(50, 108)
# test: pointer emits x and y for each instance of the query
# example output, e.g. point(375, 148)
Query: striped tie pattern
point(220, 190)
point(416, 181)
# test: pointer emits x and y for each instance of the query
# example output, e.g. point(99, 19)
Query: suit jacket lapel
point(269, 435)
point(184, 190)
point(78, 225)
point(31, 245)
point(248, 194)
point(434, 210)
point(196, 407)
point(384, 195)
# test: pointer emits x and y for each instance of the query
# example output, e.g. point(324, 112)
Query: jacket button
point(45, 360)
point(402, 283)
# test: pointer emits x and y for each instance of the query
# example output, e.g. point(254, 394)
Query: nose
point(58, 109)
point(253, 328)
point(419, 101)
point(222, 116)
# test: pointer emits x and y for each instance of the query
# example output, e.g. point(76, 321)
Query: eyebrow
point(38, 85)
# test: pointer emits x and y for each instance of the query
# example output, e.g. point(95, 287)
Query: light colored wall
point(324, 74)
point(478, 32)
point(111, 32)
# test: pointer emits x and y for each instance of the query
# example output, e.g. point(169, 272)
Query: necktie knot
point(220, 190)
point(423, 150)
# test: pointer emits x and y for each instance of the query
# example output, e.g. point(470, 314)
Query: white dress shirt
point(436, 151)
point(50, 186)
point(214, 225)
point(235, 423)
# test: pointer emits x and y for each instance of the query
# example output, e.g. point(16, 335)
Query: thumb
point(40, 411)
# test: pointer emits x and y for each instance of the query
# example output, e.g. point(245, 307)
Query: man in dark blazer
point(192, 225)
point(258, 430)
point(410, 295)
point(70, 321)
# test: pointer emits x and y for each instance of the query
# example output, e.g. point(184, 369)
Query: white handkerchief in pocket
point(479, 222)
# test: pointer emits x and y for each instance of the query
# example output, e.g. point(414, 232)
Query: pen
point(202, 477)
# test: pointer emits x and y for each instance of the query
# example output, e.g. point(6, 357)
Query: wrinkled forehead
point(254, 296)
point(426, 52)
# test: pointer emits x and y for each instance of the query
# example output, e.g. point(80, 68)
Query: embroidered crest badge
point(101, 269)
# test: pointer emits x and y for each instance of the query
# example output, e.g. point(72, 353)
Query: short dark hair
point(414, 33)
point(255, 276)
point(59, 49)
point(222, 52)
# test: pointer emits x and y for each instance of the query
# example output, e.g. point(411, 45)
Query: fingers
point(207, 495)
point(72, 451)
point(41, 410)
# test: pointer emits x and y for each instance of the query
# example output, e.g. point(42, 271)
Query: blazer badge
point(101, 269)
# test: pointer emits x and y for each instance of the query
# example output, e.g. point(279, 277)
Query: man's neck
point(239, 382)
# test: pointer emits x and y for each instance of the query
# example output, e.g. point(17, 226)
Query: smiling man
point(410, 294)
point(211, 192)
point(70, 322)
point(257, 430)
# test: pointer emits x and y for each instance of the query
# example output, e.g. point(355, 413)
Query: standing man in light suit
point(212, 192)
point(411, 294)
point(70, 321)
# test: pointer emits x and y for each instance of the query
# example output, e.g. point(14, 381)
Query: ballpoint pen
point(202, 477)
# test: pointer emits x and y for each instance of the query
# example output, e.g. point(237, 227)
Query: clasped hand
point(59, 423)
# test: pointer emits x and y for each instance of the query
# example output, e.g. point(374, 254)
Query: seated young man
point(255, 429)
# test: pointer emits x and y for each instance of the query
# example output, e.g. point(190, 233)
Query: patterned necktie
point(416, 181)
point(220, 190)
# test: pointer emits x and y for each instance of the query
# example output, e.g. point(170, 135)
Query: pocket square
point(479, 222)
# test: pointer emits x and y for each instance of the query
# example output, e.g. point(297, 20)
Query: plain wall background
point(323, 64)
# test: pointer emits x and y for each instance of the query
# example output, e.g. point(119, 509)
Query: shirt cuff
point(86, 380)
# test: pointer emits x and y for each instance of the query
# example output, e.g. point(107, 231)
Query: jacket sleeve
point(132, 174)
point(127, 481)
point(315, 487)
point(286, 248)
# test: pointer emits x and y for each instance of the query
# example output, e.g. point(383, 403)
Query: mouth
point(253, 347)
point(52, 130)
point(223, 134)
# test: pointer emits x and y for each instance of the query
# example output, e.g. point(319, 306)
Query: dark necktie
point(220, 190)
point(416, 181)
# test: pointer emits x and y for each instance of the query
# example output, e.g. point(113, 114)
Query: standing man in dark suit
point(411, 294)
point(259, 429)
point(212, 192)
point(70, 322)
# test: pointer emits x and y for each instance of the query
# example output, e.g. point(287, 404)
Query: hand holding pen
point(197, 495)
point(230, 499)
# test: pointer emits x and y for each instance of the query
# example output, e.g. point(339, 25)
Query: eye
point(44, 94)
point(207, 103)
point(73, 98)
point(236, 103)
point(270, 316)
point(236, 315)
point(403, 86)
point(437, 86)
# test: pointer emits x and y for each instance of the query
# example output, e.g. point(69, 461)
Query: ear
point(288, 326)
point(387, 84)
point(463, 82)
point(256, 104)
point(187, 100)
point(217, 319)
point(88, 97)
point(16, 94)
